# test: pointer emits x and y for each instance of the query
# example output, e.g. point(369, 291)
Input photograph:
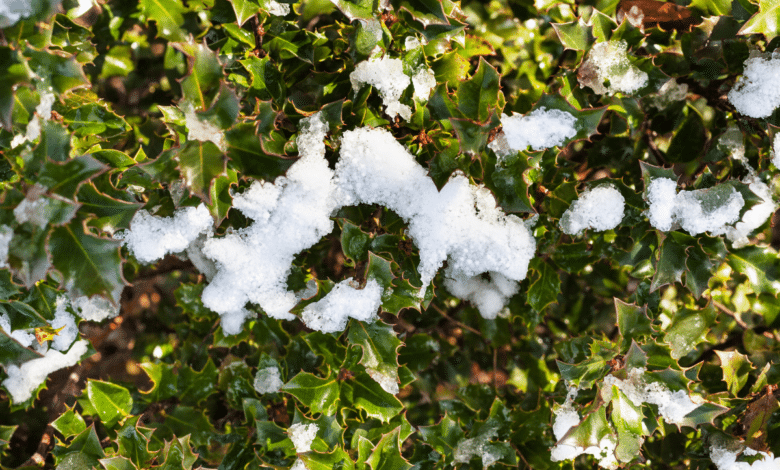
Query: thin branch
point(460, 324)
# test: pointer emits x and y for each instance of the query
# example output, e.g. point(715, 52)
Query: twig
point(460, 324)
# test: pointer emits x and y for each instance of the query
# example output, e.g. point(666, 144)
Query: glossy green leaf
point(322, 461)
point(545, 285)
point(479, 95)
point(367, 395)
point(765, 21)
point(168, 14)
point(320, 395)
point(632, 321)
point(164, 381)
point(759, 265)
point(443, 437)
point(110, 213)
point(134, 442)
point(200, 163)
point(575, 35)
point(69, 424)
point(118, 463)
point(244, 10)
point(688, 329)
point(736, 370)
point(671, 264)
point(111, 401)
point(90, 265)
point(387, 453)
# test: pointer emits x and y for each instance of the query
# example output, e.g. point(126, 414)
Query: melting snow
point(489, 296)
point(726, 459)
point(331, 313)
point(388, 77)
point(302, 435)
point(268, 380)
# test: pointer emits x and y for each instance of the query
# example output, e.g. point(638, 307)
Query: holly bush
point(510, 279)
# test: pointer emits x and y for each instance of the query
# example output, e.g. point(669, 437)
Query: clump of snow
point(607, 70)
point(201, 129)
point(726, 459)
point(669, 93)
point(423, 81)
point(23, 380)
point(289, 216)
point(697, 211)
point(64, 320)
point(461, 223)
point(302, 435)
point(95, 308)
point(268, 380)
point(331, 313)
point(151, 237)
point(489, 296)
point(24, 337)
point(277, 9)
point(540, 129)
point(11, 11)
point(194, 253)
point(388, 77)
point(600, 208)
point(662, 196)
point(756, 94)
point(673, 406)
point(6, 234)
point(753, 218)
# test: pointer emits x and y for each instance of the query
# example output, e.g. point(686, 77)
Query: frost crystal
point(697, 211)
point(489, 296)
point(290, 215)
point(302, 435)
point(756, 94)
point(388, 77)
point(540, 129)
point(268, 380)
point(673, 406)
point(6, 234)
point(151, 237)
point(607, 70)
point(23, 380)
point(726, 459)
point(600, 208)
point(332, 312)
point(461, 223)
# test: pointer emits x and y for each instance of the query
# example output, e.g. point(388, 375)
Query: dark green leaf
point(200, 163)
point(575, 35)
point(736, 370)
point(545, 286)
point(112, 402)
point(69, 423)
point(320, 395)
point(479, 96)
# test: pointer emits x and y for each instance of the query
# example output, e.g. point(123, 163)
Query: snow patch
point(489, 296)
point(23, 380)
point(540, 129)
point(277, 9)
point(607, 70)
point(726, 459)
point(268, 380)
point(201, 129)
point(600, 208)
point(302, 435)
point(756, 94)
point(65, 320)
point(754, 217)
point(331, 313)
point(6, 234)
point(94, 308)
point(423, 81)
point(24, 338)
point(388, 77)
point(697, 211)
point(151, 238)
point(290, 215)
point(478, 446)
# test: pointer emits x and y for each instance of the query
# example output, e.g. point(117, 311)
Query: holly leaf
point(367, 395)
point(357, 9)
point(69, 424)
point(397, 293)
point(178, 455)
point(112, 402)
point(320, 395)
point(380, 349)
point(354, 242)
point(545, 286)
point(575, 35)
point(688, 329)
point(766, 21)
point(169, 16)
point(339, 458)
point(244, 10)
point(443, 437)
point(89, 265)
point(117, 463)
point(479, 95)
point(387, 453)
point(627, 418)
point(133, 442)
point(760, 265)
point(200, 163)
point(110, 214)
point(632, 320)
point(736, 370)
point(84, 451)
point(12, 72)
point(671, 264)
point(163, 377)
